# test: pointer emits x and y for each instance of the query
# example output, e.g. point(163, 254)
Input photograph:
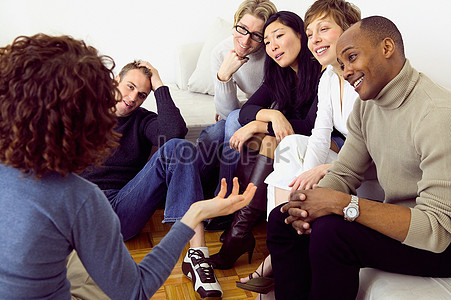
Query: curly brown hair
point(57, 104)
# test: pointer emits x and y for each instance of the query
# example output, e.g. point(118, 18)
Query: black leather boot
point(253, 167)
point(245, 167)
point(239, 238)
point(243, 171)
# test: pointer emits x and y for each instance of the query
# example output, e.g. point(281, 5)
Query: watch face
point(351, 212)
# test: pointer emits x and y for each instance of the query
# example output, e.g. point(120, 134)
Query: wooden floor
point(178, 287)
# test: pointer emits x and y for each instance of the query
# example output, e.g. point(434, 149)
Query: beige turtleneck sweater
point(406, 131)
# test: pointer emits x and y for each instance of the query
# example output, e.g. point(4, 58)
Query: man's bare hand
point(155, 80)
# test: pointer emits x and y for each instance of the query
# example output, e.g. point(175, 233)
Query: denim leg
point(173, 172)
point(212, 133)
point(229, 157)
point(209, 145)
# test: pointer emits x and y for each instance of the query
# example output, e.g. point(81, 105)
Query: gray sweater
point(248, 78)
point(42, 221)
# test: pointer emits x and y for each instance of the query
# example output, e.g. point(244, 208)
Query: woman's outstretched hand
point(219, 205)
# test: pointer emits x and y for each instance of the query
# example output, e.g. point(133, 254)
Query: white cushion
point(186, 60)
point(377, 284)
point(201, 80)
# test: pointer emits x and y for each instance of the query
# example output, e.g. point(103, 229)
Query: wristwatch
point(351, 212)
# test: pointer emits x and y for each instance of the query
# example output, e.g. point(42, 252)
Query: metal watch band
point(351, 212)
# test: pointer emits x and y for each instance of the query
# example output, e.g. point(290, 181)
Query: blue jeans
point(210, 142)
point(172, 174)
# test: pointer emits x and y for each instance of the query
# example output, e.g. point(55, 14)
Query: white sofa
point(192, 92)
point(376, 284)
point(199, 111)
point(194, 88)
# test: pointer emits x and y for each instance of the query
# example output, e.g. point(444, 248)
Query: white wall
point(152, 30)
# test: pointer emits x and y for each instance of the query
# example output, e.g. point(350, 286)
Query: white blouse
point(331, 113)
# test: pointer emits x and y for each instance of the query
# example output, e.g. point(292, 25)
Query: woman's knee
point(290, 149)
point(293, 140)
point(268, 146)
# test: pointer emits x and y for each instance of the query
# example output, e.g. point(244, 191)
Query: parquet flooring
point(177, 286)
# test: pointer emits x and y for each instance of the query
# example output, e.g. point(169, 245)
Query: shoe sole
point(261, 285)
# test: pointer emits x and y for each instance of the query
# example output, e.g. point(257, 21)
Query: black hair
point(377, 28)
point(284, 81)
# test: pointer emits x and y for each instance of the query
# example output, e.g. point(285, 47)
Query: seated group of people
point(79, 177)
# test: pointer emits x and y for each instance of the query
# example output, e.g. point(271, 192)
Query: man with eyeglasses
point(254, 35)
point(237, 64)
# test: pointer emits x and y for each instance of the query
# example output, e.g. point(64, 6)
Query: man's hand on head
point(155, 80)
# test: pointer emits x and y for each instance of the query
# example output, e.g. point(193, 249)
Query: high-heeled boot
point(239, 238)
point(253, 167)
point(243, 172)
point(245, 167)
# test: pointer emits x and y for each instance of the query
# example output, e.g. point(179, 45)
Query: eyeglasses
point(254, 36)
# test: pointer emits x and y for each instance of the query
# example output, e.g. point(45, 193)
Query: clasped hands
point(305, 206)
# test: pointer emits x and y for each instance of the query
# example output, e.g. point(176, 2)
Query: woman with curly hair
point(57, 104)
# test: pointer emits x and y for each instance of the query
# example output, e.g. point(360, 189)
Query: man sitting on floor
point(136, 186)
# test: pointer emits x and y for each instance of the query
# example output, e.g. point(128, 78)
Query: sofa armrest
point(186, 61)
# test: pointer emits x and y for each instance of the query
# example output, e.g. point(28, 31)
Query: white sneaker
point(196, 267)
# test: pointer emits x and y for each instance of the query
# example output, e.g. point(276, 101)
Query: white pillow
point(186, 60)
point(201, 80)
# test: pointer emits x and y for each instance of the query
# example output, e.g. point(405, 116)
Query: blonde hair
point(261, 9)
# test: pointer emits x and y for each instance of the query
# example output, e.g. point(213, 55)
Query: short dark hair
point(57, 104)
point(377, 28)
